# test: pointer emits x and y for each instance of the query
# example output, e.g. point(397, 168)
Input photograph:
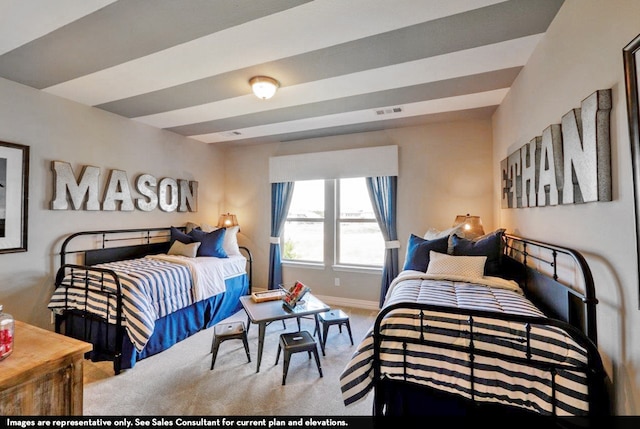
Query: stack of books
point(294, 295)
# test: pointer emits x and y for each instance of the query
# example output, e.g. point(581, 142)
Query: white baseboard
point(347, 302)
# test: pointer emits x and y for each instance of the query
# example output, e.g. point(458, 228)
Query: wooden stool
point(228, 331)
point(334, 317)
point(294, 342)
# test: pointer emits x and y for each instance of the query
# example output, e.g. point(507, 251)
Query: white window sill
point(357, 269)
point(310, 265)
point(341, 268)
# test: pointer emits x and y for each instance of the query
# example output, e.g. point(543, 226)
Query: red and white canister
point(7, 326)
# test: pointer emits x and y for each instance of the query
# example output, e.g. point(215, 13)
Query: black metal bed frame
point(148, 244)
point(566, 308)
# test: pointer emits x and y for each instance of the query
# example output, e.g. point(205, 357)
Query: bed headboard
point(95, 247)
point(101, 246)
point(557, 279)
point(99, 256)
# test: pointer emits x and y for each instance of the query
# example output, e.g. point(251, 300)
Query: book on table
point(294, 294)
point(267, 295)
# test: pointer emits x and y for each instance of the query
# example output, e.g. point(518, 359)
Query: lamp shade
point(227, 220)
point(472, 225)
point(264, 87)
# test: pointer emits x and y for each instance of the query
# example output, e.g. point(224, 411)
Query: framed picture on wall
point(14, 196)
point(631, 59)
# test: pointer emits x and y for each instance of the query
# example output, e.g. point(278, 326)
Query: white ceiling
point(343, 66)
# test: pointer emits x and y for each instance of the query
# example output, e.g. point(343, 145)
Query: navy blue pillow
point(489, 245)
point(210, 242)
point(418, 251)
point(176, 234)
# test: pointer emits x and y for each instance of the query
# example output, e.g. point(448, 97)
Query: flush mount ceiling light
point(263, 86)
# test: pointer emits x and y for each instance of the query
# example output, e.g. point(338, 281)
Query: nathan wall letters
point(569, 163)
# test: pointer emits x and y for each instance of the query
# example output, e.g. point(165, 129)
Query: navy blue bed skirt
point(168, 330)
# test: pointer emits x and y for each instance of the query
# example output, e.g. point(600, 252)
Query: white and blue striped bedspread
point(494, 380)
point(151, 288)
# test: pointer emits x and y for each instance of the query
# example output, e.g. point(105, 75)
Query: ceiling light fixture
point(263, 86)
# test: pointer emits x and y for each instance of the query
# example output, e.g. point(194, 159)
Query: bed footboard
point(414, 361)
point(75, 316)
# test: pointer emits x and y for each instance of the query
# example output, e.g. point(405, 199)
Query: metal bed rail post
point(250, 262)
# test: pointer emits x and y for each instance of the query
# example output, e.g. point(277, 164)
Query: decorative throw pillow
point(190, 226)
point(230, 244)
point(180, 236)
point(210, 242)
point(466, 266)
point(418, 249)
point(433, 234)
point(181, 249)
point(208, 228)
point(489, 245)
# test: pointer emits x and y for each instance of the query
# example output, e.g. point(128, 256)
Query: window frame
point(338, 221)
point(323, 221)
point(331, 234)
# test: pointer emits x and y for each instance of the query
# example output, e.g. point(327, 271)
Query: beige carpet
point(178, 381)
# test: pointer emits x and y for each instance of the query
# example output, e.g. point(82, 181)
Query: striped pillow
point(465, 266)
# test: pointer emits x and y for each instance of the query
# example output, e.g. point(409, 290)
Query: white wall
point(582, 53)
point(57, 129)
point(445, 170)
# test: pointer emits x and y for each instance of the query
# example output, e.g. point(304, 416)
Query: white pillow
point(179, 248)
point(434, 234)
point(465, 266)
point(230, 243)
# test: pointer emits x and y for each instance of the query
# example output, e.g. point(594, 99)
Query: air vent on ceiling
point(230, 133)
point(388, 110)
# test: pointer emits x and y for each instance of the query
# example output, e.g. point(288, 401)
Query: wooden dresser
point(43, 375)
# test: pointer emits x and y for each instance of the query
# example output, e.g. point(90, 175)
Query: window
point(358, 237)
point(304, 229)
point(333, 214)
